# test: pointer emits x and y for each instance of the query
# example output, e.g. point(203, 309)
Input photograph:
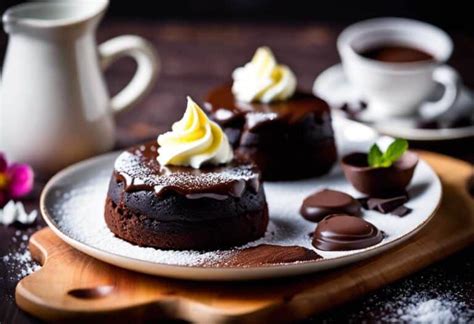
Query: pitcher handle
point(147, 68)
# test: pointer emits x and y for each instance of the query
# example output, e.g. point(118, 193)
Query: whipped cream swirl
point(262, 79)
point(193, 141)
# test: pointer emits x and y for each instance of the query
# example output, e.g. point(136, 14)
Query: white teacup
point(394, 89)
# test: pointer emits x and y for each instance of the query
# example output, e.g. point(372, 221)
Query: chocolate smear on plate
point(268, 254)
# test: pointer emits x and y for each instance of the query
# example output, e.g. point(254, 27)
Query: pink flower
point(16, 180)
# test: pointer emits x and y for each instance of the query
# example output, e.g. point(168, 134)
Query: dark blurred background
point(452, 15)
point(201, 42)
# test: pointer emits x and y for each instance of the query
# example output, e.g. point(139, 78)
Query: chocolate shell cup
point(379, 182)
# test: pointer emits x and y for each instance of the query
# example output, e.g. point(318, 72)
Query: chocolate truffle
point(176, 207)
point(288, 139)
point(341, 232)
point(325, 202)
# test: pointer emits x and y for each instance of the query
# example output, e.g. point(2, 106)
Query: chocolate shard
point(401, 211)
point(386, 205)
point(363, 202)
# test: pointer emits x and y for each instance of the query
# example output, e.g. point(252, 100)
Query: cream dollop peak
point(194, 140)
point(263, 80)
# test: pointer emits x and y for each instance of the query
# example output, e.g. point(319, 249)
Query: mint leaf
point(377, 159)
point(395, 150)
point(375, 156)
point(385, 163)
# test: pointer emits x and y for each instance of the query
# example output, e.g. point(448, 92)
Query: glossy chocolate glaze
point(257, 118)
point(138, 169)
point(173, 207)
point(225, 109)
point(267, 254)
point(325, 202)
point(341, 232)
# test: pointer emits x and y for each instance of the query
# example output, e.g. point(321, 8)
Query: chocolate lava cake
point(176, 207)
point(288, 139)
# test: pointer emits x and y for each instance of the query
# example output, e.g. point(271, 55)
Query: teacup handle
point(147, 67)
point(450, 79)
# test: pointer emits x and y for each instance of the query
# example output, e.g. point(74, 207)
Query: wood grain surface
point(72, 285)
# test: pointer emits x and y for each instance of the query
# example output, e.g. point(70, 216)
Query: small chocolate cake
point(288, 139)
point(175, 207)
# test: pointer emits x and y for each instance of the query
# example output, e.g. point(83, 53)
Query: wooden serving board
point(74, 286)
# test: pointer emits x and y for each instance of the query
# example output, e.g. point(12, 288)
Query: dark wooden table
point(197, 56)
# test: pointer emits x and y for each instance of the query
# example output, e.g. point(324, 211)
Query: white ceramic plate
point(72, 205)
point(333, 86)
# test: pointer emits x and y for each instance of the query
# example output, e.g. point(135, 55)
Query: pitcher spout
point(53, 15)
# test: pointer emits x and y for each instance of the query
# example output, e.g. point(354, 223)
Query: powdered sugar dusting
point(79, 205)
point(136, 169)
point(255, 118)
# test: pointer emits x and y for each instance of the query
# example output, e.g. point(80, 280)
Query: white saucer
point(72, 204)
point(333, 86)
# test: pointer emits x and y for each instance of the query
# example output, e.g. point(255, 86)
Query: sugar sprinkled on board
point(430, 311)
point(420, 308)
point(439, 294)
point(19, 262)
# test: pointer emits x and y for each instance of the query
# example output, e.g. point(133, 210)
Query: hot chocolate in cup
point(396, 63)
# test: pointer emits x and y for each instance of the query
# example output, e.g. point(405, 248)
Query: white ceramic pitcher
point(54, 105)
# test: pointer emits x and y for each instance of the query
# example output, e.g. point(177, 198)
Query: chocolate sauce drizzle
point(224, 109)
point(139, 170)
